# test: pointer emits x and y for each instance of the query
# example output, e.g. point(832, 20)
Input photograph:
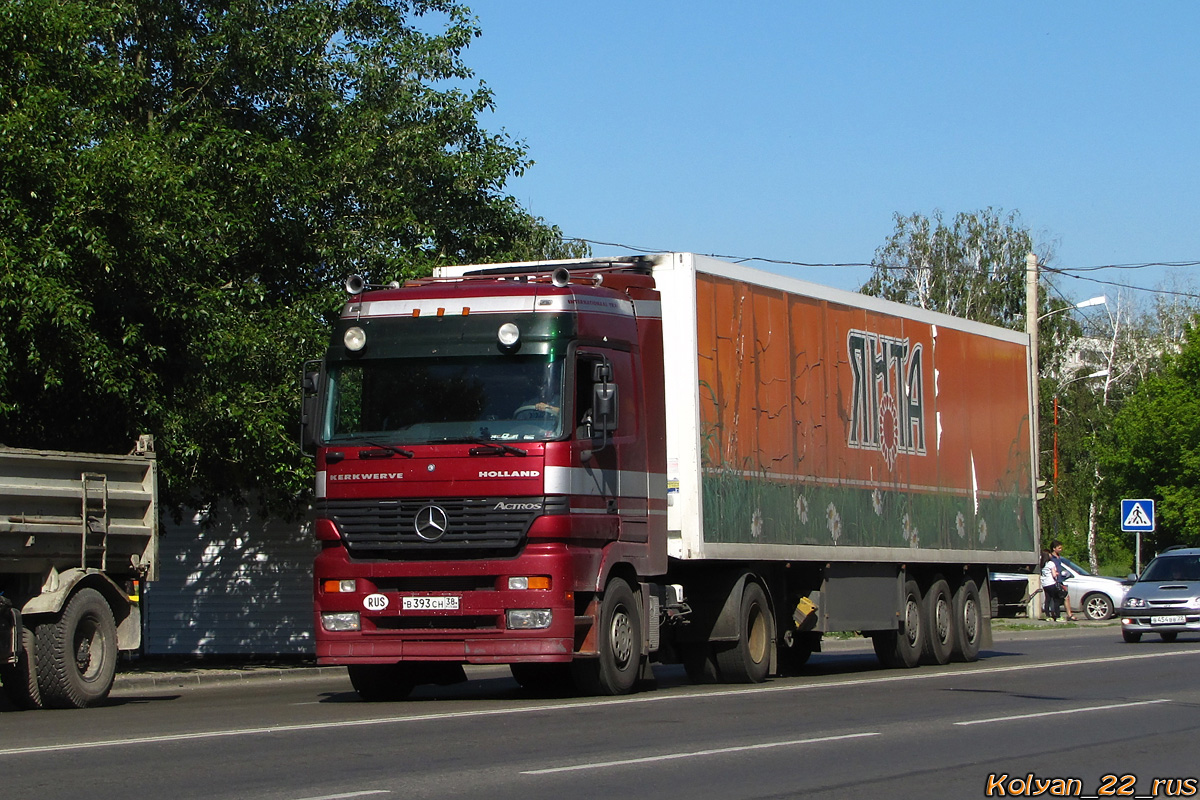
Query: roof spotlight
point(509, 334)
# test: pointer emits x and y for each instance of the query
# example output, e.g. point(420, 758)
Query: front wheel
point(1097, 606)
point(77, 653)
point(616, 668)
point(1168, 636)
point(1131, 637)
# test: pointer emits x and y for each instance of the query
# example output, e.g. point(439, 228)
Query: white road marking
point(958, 674)
point(1063, 711)
point(696, 753)
point(348, 794)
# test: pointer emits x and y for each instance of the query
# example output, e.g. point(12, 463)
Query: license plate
point(1172, 619)
point(438, 603)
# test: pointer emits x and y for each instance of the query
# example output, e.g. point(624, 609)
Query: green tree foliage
point(184, 185)
point(971, 267)
point(1154, 450)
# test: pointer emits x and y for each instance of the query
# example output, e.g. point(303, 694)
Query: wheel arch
point(60, 587)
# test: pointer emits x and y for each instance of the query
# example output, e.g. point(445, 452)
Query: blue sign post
point(1137, 517)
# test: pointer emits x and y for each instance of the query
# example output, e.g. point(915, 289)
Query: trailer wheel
point(381, 683)
point(902, 647)
point(968, 622)
point(749, 660)
point(939, 621)
point(20, 679)
point(77, 653)
point(619, 641)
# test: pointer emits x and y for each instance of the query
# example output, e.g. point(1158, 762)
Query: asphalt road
point(1075, 703)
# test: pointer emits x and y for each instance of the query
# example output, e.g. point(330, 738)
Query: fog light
point(335, 587)
point(524, 619)
point(340, 621)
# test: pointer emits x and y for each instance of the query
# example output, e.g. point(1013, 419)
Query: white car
point(1094, 595)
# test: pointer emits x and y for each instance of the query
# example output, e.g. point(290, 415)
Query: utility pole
point(1031, 327)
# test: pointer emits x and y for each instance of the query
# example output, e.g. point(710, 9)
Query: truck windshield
point(422, 400)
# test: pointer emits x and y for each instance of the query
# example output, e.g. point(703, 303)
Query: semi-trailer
point(582, 468)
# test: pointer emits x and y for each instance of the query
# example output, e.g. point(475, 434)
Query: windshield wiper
point(385, 451)
point(486, 446)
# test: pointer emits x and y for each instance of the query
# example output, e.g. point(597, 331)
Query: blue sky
point(795, 130)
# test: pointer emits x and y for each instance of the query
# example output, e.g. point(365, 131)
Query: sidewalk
point(167, 672)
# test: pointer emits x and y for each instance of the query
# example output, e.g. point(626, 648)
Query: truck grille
point(415, 526)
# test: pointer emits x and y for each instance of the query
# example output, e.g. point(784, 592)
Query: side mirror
point(310, 382)
point(604, 408)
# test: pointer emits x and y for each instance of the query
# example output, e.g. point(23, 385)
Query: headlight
point(523, 619)
point(518, 583)
point(340, 621)
point(1135, 602)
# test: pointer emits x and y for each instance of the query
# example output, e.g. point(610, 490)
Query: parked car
point(1095, 596)
point(1166, 598)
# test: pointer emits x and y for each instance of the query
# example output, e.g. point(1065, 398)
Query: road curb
point(207, 676)
point(157, 676)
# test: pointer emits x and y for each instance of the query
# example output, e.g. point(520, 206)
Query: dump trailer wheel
point(902, 648)
point(20, 679)
point(77, 653)
point(381, 683)
point(619, 641)
point(938, 609)
point(968, 622)
point(749, 659)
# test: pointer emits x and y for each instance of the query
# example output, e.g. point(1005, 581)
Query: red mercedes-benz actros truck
point(583, 468)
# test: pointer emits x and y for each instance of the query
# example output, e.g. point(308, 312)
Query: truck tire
point(938, 610)
point(619, 642)
point(381, 683)
point(77, 653)
point(749, 659)
point(968, 622)
point(20, 679)
point(902, 648)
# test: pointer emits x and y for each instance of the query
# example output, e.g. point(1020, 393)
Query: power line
point(1067, 272)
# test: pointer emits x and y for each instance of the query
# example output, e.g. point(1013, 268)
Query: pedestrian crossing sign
point(1137, 516)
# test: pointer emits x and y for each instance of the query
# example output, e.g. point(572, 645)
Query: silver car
point(1096, 596)
point(1166, 598)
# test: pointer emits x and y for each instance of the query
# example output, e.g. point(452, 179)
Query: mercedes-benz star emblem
point(431, 523)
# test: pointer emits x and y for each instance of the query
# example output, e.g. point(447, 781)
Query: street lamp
point(1091, 301)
